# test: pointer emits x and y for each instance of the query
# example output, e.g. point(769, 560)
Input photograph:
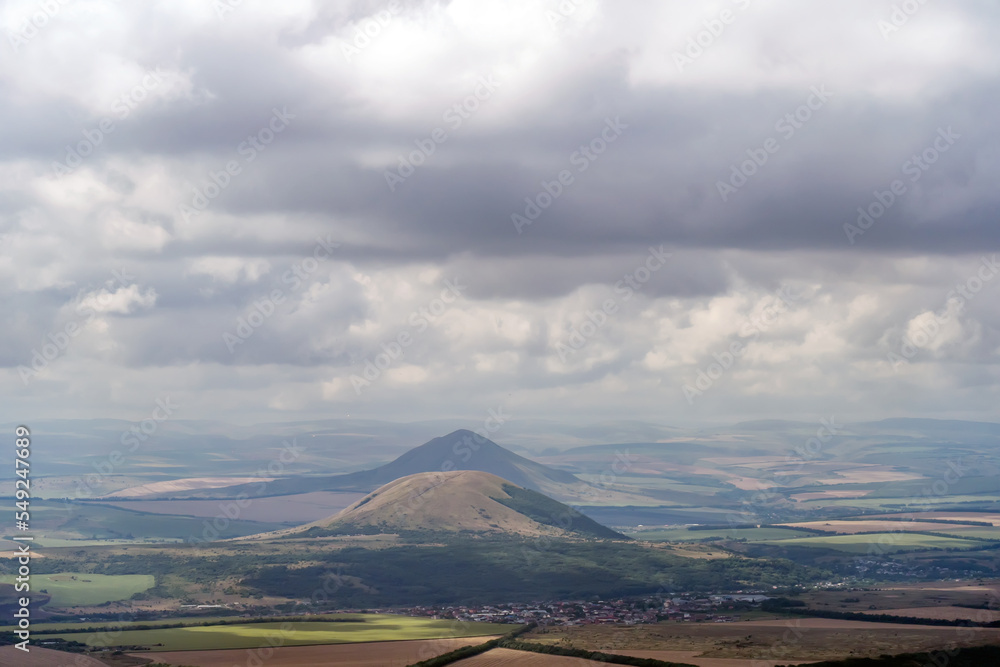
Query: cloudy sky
point(659, 210)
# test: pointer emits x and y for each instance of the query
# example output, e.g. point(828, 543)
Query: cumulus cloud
point(122, 301)
point(488, 181)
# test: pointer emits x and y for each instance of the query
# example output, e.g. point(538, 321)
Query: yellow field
point(368, 628)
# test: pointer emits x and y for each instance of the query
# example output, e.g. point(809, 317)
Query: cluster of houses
point(685, 608)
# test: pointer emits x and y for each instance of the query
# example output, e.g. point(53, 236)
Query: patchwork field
point(380, 654)
point(72, 589)
point(957, 517)
point(687, 535)
point(73, 522)
point(826, 495)
point(297, 509)
point(886, 542)
point(864, 476)
point(184, 484)
point(370, 628)
point(786, 641)
point(850, 527)
point(926, 596)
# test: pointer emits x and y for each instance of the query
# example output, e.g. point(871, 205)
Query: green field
point(72, 589)
point(911, 503)
point(688, 535)
point(887, 542)
point(66, 523)
point(53, 542)
point(372, 628)
point(55, 628)
point(981, 532)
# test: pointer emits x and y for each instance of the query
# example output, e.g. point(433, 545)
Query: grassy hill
point(457, 501)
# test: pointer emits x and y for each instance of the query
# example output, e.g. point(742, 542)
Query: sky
point(582, 210)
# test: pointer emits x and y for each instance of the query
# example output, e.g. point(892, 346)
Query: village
point(685, 608)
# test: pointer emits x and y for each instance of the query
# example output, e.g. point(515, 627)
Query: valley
point(697, 531)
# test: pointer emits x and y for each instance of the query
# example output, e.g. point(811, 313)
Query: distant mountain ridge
point(459, 450)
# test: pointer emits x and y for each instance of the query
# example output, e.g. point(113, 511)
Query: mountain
point(460, 450)
point(457, 501)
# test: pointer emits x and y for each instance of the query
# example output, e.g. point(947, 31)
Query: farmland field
point(173, 620)
point(849, 527)
point(958, 517)
point(298, 509)
point(926, 596)
point(372, 628)
point(887, 542)
point(72, 521)
point(782, 641)
point(972, 532)
point(505, 657)
point(44, 657)
point(72, 589)
point(688, 535)
point(694, 658)
point(946, 613)
point(380, 654)
point(826, 495)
